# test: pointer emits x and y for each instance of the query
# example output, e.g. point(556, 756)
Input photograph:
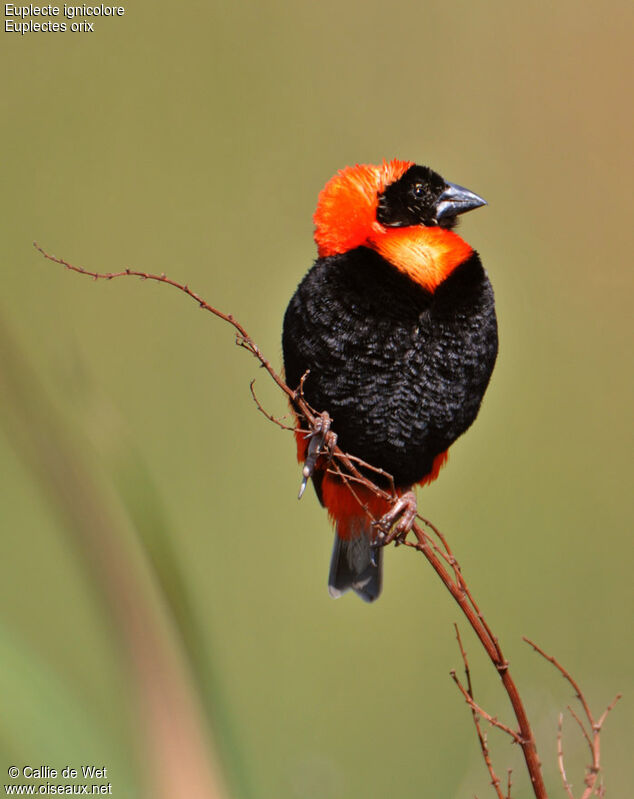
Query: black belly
point(402, 372)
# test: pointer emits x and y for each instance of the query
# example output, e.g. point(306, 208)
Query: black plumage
point(395, 323)
point(401, 371)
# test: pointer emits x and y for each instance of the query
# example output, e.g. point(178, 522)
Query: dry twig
point(592, 733)
point(560, 757)
point(484, 747)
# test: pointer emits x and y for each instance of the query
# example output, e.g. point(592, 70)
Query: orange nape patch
point(427, 255)
point(346, 209)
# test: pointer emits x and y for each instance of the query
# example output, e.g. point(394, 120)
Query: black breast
point(402, 372)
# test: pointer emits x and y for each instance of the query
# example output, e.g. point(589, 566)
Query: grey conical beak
point(456, 200)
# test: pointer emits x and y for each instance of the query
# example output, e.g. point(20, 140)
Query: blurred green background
point(153, 547)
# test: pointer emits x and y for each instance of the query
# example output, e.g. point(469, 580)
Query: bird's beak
point(456, 200)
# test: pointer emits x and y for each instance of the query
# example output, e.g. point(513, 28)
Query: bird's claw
point(322, 439)
point(397, 522)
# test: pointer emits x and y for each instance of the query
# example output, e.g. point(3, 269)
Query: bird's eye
point(418, 191)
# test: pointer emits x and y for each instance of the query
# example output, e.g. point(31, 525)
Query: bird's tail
point(356, 563)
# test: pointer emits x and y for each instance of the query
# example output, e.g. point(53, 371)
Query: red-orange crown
point(346, 209)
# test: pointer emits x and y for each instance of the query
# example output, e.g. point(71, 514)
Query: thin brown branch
point(379, 472)
point(349, 480)
point(449, 559)
point(337, 471)
point(443, 549)
point(482, 739)
point(566, 675)
point(465, 661)
point(263, 411)
point(243, 339)
point(560, 757)
point(582, 727)
point(604, 715)
point(594, 739)
point(492, 647)
point(493, 720)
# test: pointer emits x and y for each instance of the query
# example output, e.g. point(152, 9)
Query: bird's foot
point(322, 441)
point(397, 522)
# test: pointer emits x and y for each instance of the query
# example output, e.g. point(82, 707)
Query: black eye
point(418, 190)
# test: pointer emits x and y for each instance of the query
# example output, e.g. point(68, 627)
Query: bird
point(392, 334)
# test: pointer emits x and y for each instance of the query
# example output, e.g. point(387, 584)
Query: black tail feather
point(356, 564)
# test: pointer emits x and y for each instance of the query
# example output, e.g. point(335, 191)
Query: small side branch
point(493, 720)
point(482, 739)
point(560, 758)
point(243, 339)
point(264, 412)
point(590, 729)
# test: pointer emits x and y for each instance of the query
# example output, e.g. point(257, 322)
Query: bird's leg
point(397, 522)
point(322, 439)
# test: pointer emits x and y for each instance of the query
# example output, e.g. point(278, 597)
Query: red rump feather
point(345, 507)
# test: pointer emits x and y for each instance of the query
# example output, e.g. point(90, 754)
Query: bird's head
point(402, 210)
point(422, 197)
